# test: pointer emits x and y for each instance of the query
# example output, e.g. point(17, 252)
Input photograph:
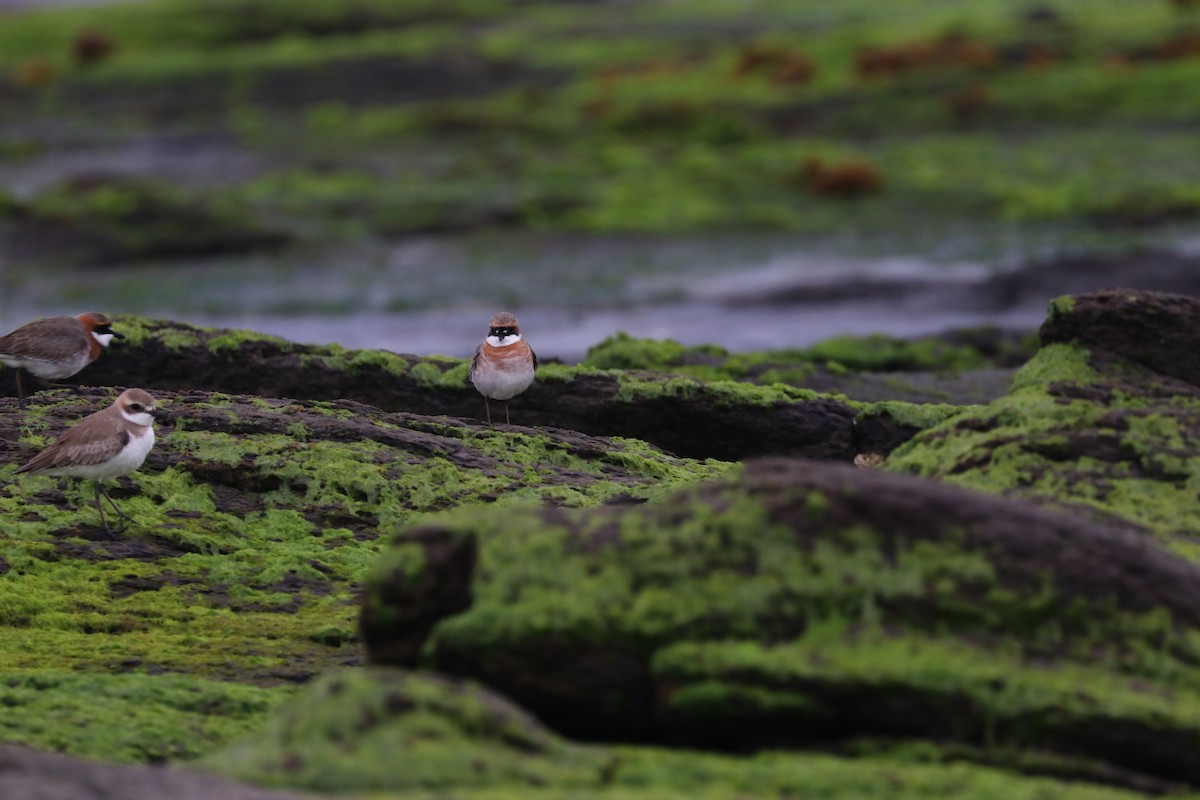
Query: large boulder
point(805, 604)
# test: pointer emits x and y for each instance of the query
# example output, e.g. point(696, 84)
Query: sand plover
point(56, 347)
point(504, 364)
point(108, 444)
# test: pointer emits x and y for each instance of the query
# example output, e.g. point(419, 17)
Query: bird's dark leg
point(506, 419)
point(121, 515)
point(99, 507)
point(20, 391)
point(488, 407)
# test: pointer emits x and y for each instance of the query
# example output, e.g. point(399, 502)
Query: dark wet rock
point(1104, 419)
point(807, 605)
point(1151, 329)
point(722, 420)
point(32, 775)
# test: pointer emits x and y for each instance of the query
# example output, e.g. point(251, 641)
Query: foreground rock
point(807, 605)
point(30, 775)
point(395, 734)
point(1104, 419)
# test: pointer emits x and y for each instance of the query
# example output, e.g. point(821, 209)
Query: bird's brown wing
point(92, 440)
point(48, 339)
point(475, 361)
point(533, 355)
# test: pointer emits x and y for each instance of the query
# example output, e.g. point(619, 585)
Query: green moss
point(910, 415)
point(677, 571)
point(133, 717)
point(408, 735)
point(390, 363)
point(441, 373)
point(246, 554)
point(725, 393)
point(232, 341)
point(622, 351)
point(1061, 307)
point(397, 731)
point(997, 685)
point(881, 353)
point(1068, 433)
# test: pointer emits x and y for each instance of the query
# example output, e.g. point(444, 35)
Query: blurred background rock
point(760, 175)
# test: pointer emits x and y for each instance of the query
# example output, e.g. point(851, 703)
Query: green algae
point(132, 717)
point(248, 548)
point(726, 393)
point(230, 341)
point(997, 684)
point(441, 373)
point(389, 734)
point(909, 415)
point(400, 730)
point(1134, 463)
point(843, 355)
point(541, 581)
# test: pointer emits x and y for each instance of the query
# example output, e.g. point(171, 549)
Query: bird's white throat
point(102, 338)
point(494, 341)
point(138, 418)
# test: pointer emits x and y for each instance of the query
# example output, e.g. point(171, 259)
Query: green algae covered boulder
point(810, 605)
point(1103, 420)
point(396, 734)
point(382, 728)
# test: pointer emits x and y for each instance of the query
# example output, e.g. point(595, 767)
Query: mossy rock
point(811, 605)
point(721, 419)
point(379, 728)
point(255, 523)
point(396, 734)
point(1103, 419)
point(960, 367)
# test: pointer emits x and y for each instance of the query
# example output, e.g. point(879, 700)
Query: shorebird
point(109, 444)
point(504, 363)
point(56, 347)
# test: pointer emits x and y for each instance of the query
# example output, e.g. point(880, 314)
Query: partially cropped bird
point(108, 444)
point(56, 347)
point(504, 364)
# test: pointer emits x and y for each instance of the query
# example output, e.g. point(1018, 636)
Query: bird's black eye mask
point(504, 333)
point(107, 328)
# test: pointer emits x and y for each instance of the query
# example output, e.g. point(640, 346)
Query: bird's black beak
point(160, 415)
point(118, 335)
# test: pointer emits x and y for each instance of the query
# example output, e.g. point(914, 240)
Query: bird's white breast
point(123, 463)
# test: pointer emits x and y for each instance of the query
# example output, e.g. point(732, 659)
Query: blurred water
point(435, 296)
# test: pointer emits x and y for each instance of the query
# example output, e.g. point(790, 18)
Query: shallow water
point(427, 296)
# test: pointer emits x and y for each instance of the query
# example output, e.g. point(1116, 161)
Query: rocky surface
point(1103, 419)
point(720, 419)
point(31, 775)
point(514, 586)
point(781, 609)
point(255, 523)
